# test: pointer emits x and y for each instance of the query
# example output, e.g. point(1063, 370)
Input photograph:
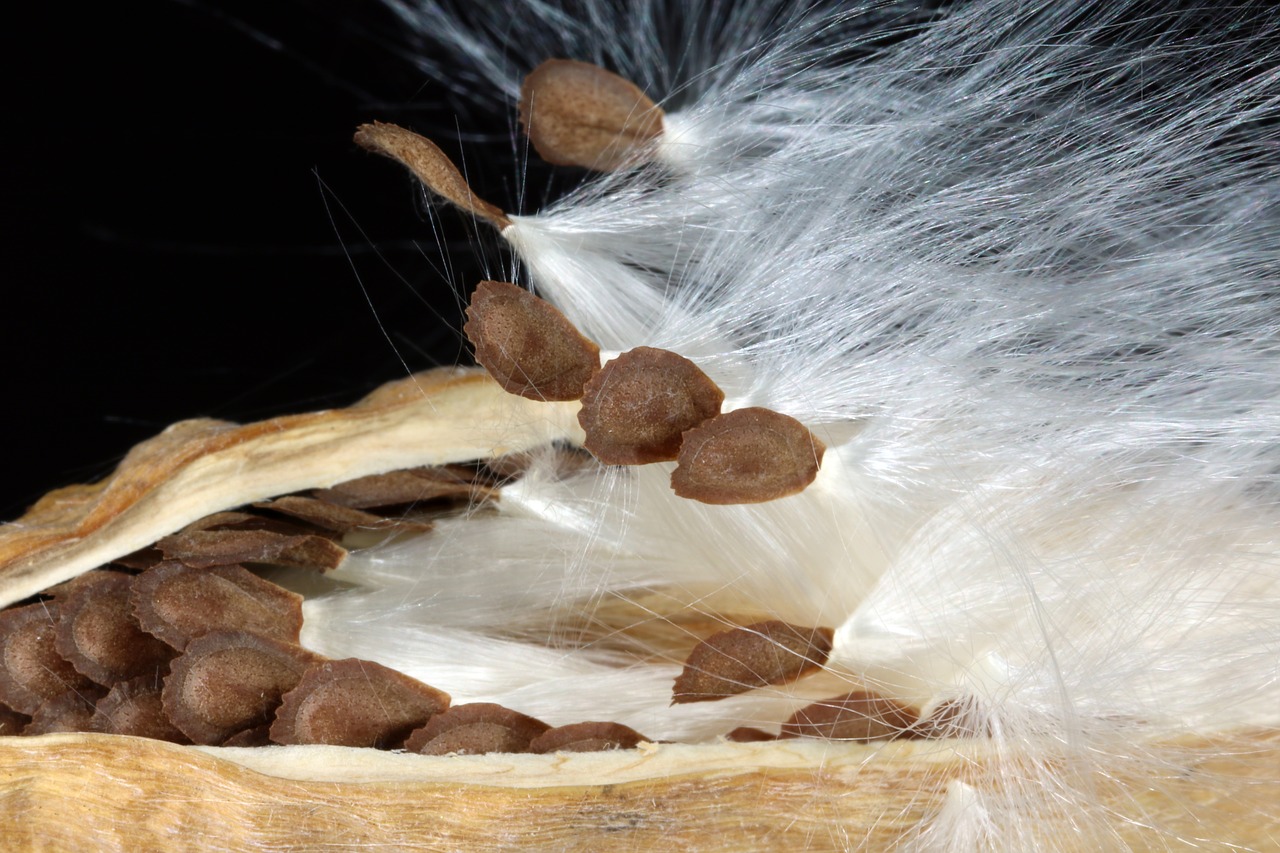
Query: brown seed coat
point(747, 456)
point(476, 729)
point(742, 659)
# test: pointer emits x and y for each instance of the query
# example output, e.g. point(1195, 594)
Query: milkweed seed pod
point(1007, 272)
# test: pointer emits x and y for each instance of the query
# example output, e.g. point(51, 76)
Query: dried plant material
point(954, 718)
point(742, 659)
point(139, 560)
point(857, 716)
point(587, 737)
point(476, 729)
point(136, 707)
point(199, 467)
point(638, 407)
point(61, 592)
point(748, 734)
point(338, 518)
point(70, 712)
point(254, 737)
point(11, 722)
point(430, 165)
point(240, 520)
point(229, 681)
point(31, 670)
point(100, 636)
point(177, 603)
point(207, 548)
point(412, 486)
point(527, 345)
point(578, 114)
point(355, 703)
point(747, 456)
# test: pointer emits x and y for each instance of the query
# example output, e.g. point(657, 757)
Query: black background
point(181, 195)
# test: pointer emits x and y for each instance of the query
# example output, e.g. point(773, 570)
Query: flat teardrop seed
point(136, 707)
point(229, 681)
point(99, 635)
point(177, 603)
point(858, 716)
point(638, 407)
point(747, 456)
point(355, 703)
point(476, 729)
point(742, 659)
point(31, 670)
point(70, 712)
point(529, 347)
point(586, 737)
point(578, 114)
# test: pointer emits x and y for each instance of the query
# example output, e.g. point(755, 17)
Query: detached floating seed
point(229, 681)
point(355, 703)
point(639, 405)
point(476, 729)
point(586, 737)
point(31, 670)
point(747, 456)
point(859, 716)
point(430, 165)
point(529, 347)
point(578, 114)
point(136, 707)
point(99, 635)
point(742, 659)
point(178, 603)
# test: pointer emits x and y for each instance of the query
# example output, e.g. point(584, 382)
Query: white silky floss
point(1016, 264)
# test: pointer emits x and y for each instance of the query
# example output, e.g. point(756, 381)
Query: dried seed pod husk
point(856, 716)
point(587, 737)
point(742, 659)
point(70, 712)
point(431, 166)
point(638, 407)
point(578, 114)
point(100, 636)
point(527, 345)
point(477, 728)
point(229, 681)
point(747, 456)
point(31, 670)
point(177, 603)
point(136, 707)
point(355, 703)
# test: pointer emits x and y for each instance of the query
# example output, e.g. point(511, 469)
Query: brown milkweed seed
point(747, 456)
point(747, 734)
point(177, 603)
point(229, 681)
point(742, 659)
point(476, 729)
point(136, 707)
point(859, 716)
point(98, 634)
point(11, 722)
point(206, 548)
point(529, 347)
point(70, 712)
point(31, 670)
point(430, 165)
point(586, 737)
point(578, 114)
point(355, 703)
point(636, 409)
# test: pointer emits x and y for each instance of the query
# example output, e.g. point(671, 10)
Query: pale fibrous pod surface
point(900, 386)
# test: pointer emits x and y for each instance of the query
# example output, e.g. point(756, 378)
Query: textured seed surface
point(338, 518)
point(226, 682)
point(412, 485)
point(638, 407)
point(741, 659)
point(430, 165)
point(70, 712)
point(586, 737)
point(177, 603)
point(747, 456)
point(859, 716)
point(207, 548)
point(136, 707)
point(99, 635)
point(578, 114)
point(747, 734)
point(475, 729)
point(355, 703)
point(31, 670)
point(528, 346)
point(11, 722)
